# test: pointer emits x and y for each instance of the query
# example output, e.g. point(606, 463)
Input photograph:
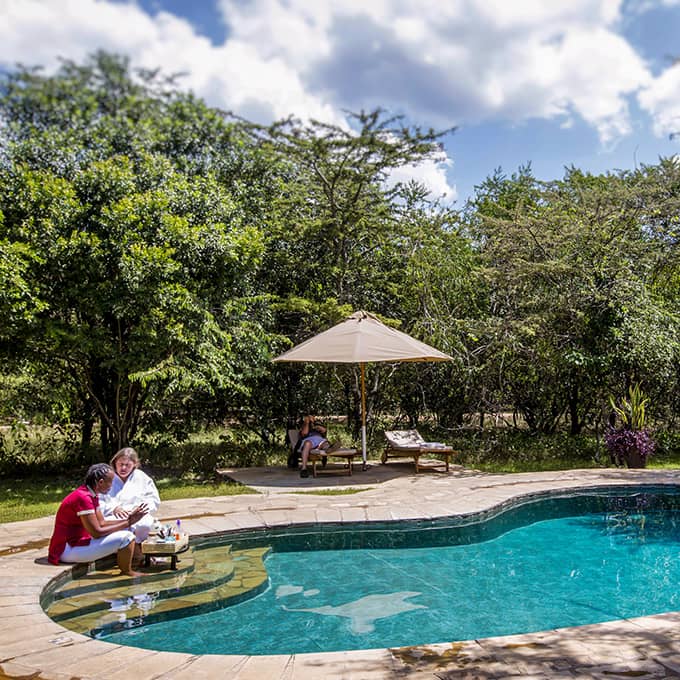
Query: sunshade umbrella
point(362, 338)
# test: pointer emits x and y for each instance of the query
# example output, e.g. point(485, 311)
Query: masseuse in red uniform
point(81, 534)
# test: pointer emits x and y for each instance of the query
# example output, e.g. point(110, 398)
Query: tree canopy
point(128, 264)
point(155, 253)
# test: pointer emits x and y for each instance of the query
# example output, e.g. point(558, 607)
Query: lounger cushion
point(404, 439)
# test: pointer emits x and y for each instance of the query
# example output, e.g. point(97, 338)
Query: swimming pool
point(535, 563)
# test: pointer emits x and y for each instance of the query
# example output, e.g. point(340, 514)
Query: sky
point(553, 83)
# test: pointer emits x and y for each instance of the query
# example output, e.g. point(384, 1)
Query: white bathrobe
point(139, 488)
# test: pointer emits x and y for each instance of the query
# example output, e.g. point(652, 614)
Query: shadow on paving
point(333, 476)
point(637, 648)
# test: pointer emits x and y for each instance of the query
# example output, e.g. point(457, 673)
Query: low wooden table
point(158, 547)
point(319, 454)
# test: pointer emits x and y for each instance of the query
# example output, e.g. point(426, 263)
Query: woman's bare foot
point(131, 573)
point(124, 558)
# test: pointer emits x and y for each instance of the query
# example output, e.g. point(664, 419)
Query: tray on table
point(159, 547)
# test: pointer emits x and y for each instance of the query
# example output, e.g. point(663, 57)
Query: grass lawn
point(558, 464)
point(510, 466)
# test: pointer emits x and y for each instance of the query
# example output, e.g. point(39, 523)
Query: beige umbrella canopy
point(362, 338)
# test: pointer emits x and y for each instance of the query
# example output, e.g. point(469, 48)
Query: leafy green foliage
point(155, 254)
point(131, 266)
point(632, 410)
point(573, 278)
point(26, 449)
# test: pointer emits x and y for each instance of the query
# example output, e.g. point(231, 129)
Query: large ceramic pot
point(634, 459)
point(629, 447)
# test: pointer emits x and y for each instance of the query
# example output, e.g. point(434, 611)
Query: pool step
point(108, 580)
point(197, 569)
point(107, 589)
point(219, 578)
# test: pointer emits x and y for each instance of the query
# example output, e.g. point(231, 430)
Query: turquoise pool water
point(564, 571)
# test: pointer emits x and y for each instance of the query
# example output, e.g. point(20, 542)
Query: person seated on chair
point(312, 436)
point(303, 427)
point(81, 534)
point(131, 487)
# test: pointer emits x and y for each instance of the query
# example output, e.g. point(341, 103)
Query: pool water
point(554, 573)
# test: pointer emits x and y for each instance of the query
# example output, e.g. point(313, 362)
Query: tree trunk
point(86, 434)
point(574, 422)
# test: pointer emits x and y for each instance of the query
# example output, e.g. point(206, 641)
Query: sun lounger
point(409, 443)
point(322, 455)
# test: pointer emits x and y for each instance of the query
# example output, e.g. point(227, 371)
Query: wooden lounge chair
point(322, 455)
point(409, 443)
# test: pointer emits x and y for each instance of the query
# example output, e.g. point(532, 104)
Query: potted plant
point(631, 444)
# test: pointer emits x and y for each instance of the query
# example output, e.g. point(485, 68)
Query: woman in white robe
point(131, 486)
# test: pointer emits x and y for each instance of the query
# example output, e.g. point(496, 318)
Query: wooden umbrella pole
point(363, 412)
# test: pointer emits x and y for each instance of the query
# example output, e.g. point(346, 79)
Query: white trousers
point(98, 547)
point(141, 529)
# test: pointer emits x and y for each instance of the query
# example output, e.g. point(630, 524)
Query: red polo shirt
point(67, 525)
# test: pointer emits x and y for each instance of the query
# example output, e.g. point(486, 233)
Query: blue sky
point(548, 82)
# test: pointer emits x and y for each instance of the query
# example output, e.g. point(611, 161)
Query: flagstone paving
point(34, 646)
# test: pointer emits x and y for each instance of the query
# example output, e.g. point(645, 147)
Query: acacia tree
point(436, 289)
point(340, 239)
point(649, 341)
point(570, 264)
point(335, 208)
point(131, 264)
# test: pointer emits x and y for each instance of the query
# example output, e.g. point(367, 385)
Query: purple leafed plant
point(622, 443)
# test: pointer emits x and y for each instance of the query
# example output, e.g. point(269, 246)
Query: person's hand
point(120, 513)
point(137, 514)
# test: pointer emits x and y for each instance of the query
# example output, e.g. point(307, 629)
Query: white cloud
point(463, 61)
point(440, 63)
point(661, 99)
point(601, 101)
point(432, 174)
point(38, 32)
point(236, 75)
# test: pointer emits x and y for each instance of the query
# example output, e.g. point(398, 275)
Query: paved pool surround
point(33, 646)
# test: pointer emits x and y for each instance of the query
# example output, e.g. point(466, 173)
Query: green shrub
point(667, 447)
point(26, 449)
point(517, 451)
point(206, 450)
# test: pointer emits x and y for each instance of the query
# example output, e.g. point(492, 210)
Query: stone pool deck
point(33, 646)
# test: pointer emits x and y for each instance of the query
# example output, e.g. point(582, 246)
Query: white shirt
point(139, 488)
